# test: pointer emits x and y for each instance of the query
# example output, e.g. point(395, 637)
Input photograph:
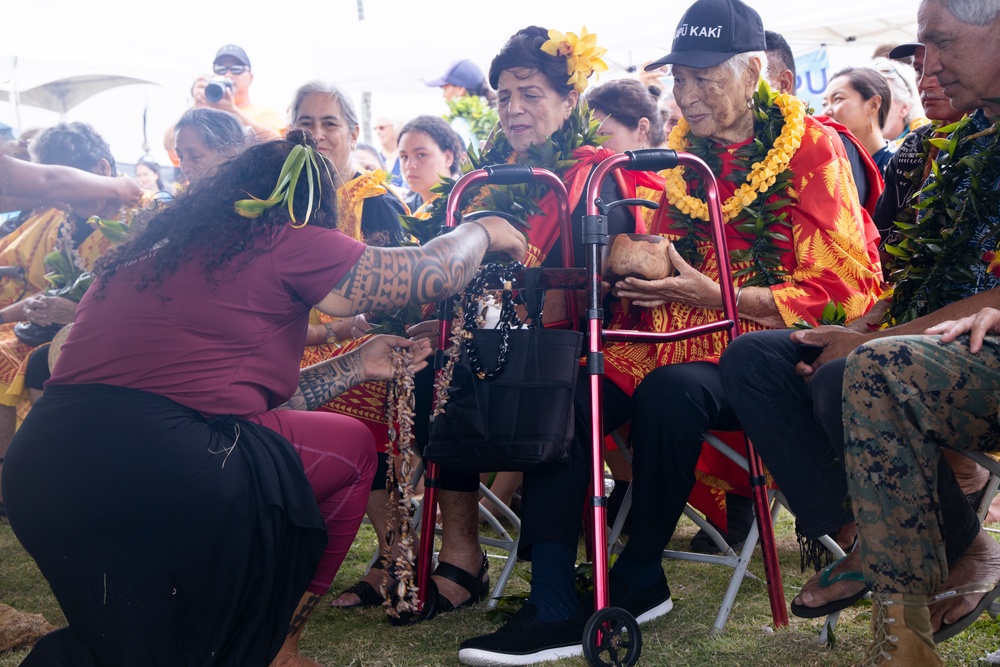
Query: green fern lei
point(520, 201)
point(480, 116)
point(935, 255)
point(761, 220)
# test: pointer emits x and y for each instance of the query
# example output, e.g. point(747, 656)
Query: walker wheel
point(612, 638)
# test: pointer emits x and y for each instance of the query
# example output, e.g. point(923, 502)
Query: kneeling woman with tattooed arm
point(179, 517)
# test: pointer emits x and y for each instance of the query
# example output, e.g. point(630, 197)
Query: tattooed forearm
point(389, 278)
point(326, 380)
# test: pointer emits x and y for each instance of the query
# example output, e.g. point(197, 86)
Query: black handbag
point(510, 403)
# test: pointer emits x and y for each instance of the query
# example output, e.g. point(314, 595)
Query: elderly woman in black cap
point(798, 239)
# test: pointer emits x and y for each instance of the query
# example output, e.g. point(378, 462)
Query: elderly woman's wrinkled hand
point(376, 355)
point(45, 310)
point(689, 286)
point(986, 321)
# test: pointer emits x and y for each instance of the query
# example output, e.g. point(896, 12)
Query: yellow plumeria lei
point(761, 176)
point(583, 56)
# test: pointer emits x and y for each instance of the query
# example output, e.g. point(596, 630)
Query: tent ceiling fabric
point(64, 94)
point(400, 43)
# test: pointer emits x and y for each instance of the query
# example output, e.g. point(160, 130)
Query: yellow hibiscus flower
point(583, 56)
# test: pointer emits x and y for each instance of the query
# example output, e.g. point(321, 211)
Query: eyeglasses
point(235, 69)
point(382, 127)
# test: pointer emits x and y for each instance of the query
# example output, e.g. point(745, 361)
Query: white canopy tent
point(398, 46)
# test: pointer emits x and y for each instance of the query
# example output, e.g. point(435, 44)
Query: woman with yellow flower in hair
point(796, 235)
point(539, 75)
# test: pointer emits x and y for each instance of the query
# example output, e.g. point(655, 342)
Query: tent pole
point(15, 95)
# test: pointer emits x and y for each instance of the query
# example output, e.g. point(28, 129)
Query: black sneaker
point(525, 641)
point(644, 603)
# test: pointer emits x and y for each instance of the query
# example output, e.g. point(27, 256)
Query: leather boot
point(901, 628)
point(288, 655)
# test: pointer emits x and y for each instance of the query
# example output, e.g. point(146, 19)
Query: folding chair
point(739, 562)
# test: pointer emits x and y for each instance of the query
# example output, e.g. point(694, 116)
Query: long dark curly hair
point(203, 221)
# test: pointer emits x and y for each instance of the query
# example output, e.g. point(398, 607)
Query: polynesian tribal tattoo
point(303, 614)
point(389, 278)
point(320, 383)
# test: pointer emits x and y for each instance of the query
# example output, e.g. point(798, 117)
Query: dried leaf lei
point(937, 251)
point(779, 125)
point(399, 412)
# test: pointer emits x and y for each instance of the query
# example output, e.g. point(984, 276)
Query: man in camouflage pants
point(798, 427)
point(905, 397)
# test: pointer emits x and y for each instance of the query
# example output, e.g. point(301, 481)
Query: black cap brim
point(904, 50)
point(695, 59)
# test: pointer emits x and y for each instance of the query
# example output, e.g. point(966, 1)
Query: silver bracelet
point(489, 239)
point(739, 291)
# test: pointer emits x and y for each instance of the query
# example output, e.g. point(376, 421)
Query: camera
point(216, 88)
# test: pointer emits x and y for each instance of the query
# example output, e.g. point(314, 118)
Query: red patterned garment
point(831, 256)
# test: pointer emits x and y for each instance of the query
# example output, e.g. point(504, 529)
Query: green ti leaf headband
point(302, 157)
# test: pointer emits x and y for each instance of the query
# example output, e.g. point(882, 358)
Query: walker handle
point(651, 159)
point(508, 174)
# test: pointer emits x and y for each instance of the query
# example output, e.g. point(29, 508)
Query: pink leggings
point(338, 454)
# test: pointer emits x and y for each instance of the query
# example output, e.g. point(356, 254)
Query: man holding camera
point(229, 90)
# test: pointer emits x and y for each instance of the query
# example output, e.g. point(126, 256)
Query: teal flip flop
point(825, 579)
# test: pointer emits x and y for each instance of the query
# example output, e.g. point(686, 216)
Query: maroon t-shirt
point(230, 347)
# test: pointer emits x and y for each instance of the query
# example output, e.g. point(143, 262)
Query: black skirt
point(168, 538)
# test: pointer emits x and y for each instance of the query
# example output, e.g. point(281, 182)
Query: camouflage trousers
point(905, 397)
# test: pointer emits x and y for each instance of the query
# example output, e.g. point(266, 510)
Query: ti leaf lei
point(519, 201)
point(761, 219)
point(933, 260)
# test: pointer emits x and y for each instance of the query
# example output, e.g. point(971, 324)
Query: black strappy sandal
point(478, 585)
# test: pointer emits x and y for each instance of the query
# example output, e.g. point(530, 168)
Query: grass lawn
point(363, 638)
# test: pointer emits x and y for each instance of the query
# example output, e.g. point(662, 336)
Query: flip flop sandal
point(802, 611)
point(949, 630)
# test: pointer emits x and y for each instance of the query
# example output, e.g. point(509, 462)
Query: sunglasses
point(235, 69)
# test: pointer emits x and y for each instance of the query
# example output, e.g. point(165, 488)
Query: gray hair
point(331, 91)
point(220, 130)
point(973, 12)
point(739, 64)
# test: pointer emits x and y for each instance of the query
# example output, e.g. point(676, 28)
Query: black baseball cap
point(713, 31)
point(234, 52)
point(462, 73)
point(905, 50)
